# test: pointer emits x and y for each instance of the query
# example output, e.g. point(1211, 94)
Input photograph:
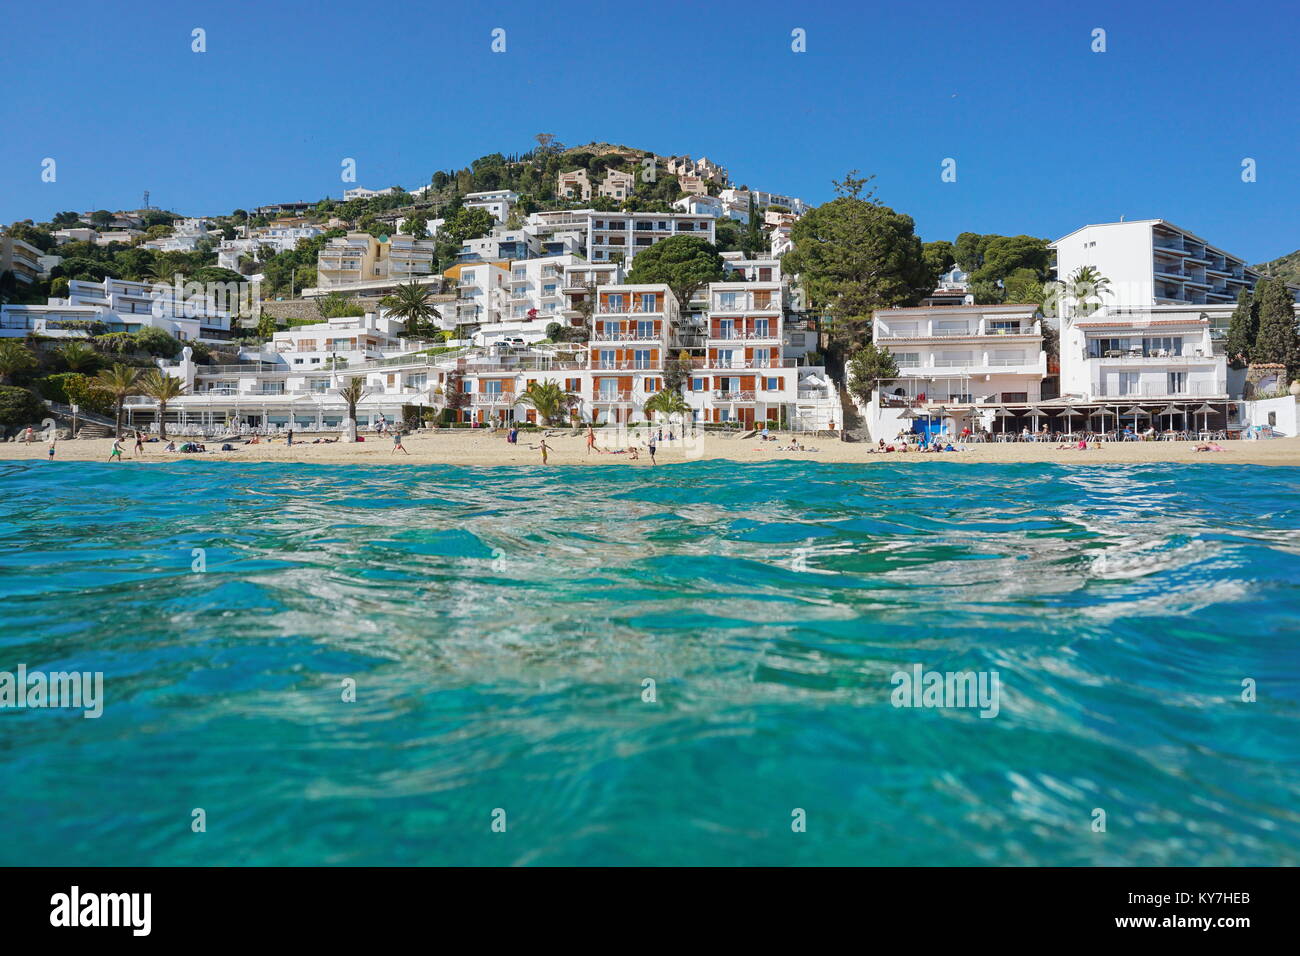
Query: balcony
point(602, 336)
point(493, 398)
point(1143, 392)
point(728, 395)
point(628, 365)
point(1152, 356)
point(630, 309)
point(771, 335)
point(611, 398)
point(813, 394)
point(749, 304)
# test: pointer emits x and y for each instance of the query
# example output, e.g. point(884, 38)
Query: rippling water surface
point(499, 625)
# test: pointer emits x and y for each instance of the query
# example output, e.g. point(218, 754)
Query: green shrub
point(19, 407)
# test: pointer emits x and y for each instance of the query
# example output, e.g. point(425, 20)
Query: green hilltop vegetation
point(1286, 268)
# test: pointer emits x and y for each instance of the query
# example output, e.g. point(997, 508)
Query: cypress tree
point(1277, 341)
point(1242, 329)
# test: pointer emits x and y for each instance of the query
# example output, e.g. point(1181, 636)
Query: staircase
point(89, 424)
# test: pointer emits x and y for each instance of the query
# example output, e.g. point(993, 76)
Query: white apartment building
point(337, 342)
point(1154, 262)
point(977, 357)
point(482, 294)
point(621, 236)
point(185, 237)
point(360, 192)
point(1143, 353)
point(762, 199)
point(498, 202)
point(536, 288)
point(190, 313)
point(711, 206)
point(277, 238)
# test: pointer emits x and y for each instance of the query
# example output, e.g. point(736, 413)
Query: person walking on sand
point(54, 436)
point(397, 442)
point(139, 445)
point(116, 454)
point(652, 450)
point(289, 437)
point(591, 438)
point(27, 435)
point(545, 449)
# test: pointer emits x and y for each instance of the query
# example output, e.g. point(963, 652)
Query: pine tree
point(1242, 329)
point(1278, 341)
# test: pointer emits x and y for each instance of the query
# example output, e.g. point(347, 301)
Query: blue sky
point(1047, 134)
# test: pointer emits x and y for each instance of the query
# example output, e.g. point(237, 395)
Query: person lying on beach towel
point(1209, 446)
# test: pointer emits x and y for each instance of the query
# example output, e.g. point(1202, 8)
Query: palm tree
point(14, 357)
point(119, 381)
point(667, 402)
point(78, 356)
point(1086, 286)
point(548, 398)
point(162, 389)
point(352, 393)
point(411, 302)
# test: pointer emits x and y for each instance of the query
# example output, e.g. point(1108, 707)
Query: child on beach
point(52, 439)
point(139, 445)
point(652, 447)
point(117, 450)
point(545, 449)
point(397, 442)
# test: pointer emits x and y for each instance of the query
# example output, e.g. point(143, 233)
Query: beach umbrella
point(908, 413)
point(1002, 413)
point(1171, 410)
point(1135, 413)
point(1206, 411)
point(1036, 413)
point(1067, 412)
point(1101, 413)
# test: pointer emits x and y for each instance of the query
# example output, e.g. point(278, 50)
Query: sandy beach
point(566, 448)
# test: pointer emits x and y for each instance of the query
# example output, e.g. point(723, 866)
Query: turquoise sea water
point(499, 625)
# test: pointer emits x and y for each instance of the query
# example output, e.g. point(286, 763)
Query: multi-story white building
point(498, 202)
point(279, 238)
point(620, 236)
point(1154, 262)
point(360, 192)
point(762, 199)
point(185, 237)
point(970, 359)
point(1132, 354)
point(188, 313)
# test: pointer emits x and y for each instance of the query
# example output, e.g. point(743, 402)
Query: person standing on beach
point(139, 445)
point(652, 449)
point(591, 438)
point(116, 454)
point(27, 435)
point(397, 442)
point(54, 435)
point(545, 449)
point(290, 438)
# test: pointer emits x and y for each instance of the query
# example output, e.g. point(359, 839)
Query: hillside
point(1285, 267)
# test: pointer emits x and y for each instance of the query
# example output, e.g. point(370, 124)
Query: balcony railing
point(745, 363)
point(604, 397)
point(727, 395)
point(493, 398)
point(1147, 391)
point(631, 308)
point(813, 394)
point(735, 336)
point(625, 366)
point(1153, 356)
point(750, 305)
point(600, 336)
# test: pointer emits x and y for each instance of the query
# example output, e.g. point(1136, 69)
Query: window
point(645, 330)
point(697, 385)
point(761, 328)
point(727, 300)
point(762, 358)
point(615, 302)
point(724, 357)
point(607, 358)
point(1002, 325)
point(642, 358)
point(907, 359)
point(1130, 383)
point(772, 384)
point(648, 302)
point(651, 385)
point(1177, 383)
point(1163, 345)
point(726, 329)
